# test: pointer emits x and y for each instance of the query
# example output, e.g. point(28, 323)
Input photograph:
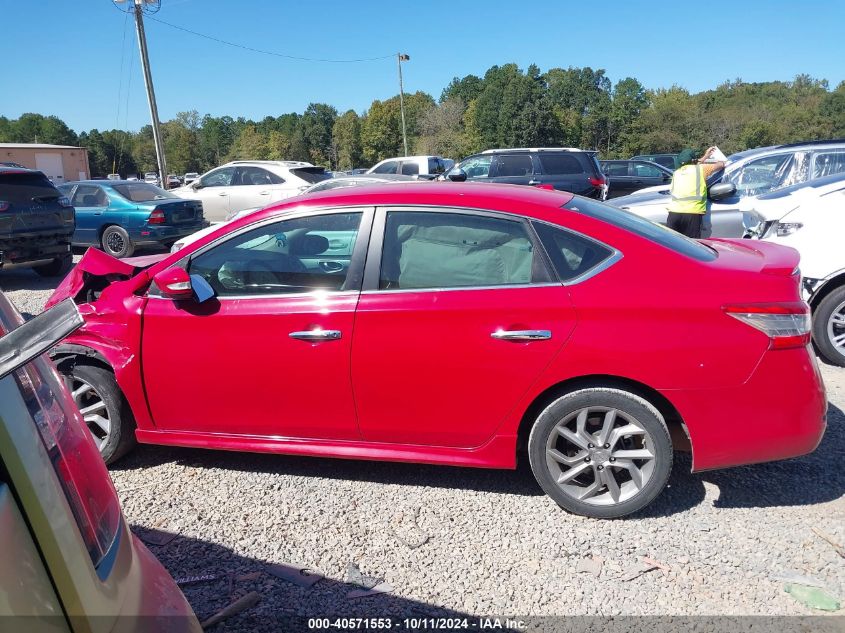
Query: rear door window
point(90, 196)
point(410, 169)
point(512, 165)
point(644, 170)
point(428, 250)
point(560, 164)
point(616, 169)
point(829, 163)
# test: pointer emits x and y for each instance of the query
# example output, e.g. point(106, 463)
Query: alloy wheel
point(115, 242)
point(600, 456)
point(836, 328)
point(93, 409)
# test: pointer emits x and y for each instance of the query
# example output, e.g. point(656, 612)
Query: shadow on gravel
point(814, 478)
point(520, 482)
point(283, 606)
point(26, 279)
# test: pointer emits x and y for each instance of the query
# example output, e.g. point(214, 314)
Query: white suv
point(413, 166)
point(244, 184)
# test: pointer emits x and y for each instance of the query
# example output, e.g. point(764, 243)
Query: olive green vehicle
point(68, 561)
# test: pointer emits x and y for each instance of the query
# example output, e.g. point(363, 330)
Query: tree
point(381, 131)
point(346, 140)
point(249, 145)
point(465, 90)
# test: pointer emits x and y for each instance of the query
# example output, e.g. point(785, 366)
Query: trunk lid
point(755, 256)
point(32, 206)
point(177, 211)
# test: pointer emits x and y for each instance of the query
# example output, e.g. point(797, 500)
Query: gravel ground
point(464, 541)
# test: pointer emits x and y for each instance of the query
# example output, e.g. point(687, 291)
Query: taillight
point(786, 324)
point(156, 217)
point(597, 182)
point(4, 206)
point(76, 461)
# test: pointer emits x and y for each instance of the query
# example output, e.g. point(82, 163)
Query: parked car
point(669, 161)
point(114, 177)
point(189, 177)
point(413, 166)
point(628, 176)
point(814, 226)
point(120, 216)
point(36, 223)
point(173, 181)
point(349, 172)
point(246, 184)
point(753, 172)
point(325, 185)
point(567, 169)
point(151, 178)
point(763, 212)
point(11, 164)
point(71, 558)
point(493, 307)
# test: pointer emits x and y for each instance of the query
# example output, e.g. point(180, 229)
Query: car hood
point(95, 272)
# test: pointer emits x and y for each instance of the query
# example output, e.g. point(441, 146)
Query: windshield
point(141, 192)
point(651, 231)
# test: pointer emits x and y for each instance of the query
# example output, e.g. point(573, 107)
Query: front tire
point(601, 452)
point(829, 327)
point(116, 242)
point(104, 408)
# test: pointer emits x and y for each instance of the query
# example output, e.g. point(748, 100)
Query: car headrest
point(309, 245)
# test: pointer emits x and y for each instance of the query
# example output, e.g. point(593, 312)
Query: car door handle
point(223, 193)
point(316, 335)
point(534, 182)
point(522, 335)
point(263, 193)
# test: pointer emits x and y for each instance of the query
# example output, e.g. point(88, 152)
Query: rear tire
point(116, 242)
point(106, 413)
point(601, 452)
point(829, 327)
point(56, 268)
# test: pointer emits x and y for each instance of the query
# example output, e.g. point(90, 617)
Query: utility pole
point(151, 95)
point(400, 57)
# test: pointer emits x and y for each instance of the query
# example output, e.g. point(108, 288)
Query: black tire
point(116, 242)
point(58, 267)
point(628, 407)
point(823, 327)
point(121, 436)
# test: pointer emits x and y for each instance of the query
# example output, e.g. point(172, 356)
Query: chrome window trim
point(281, 295)
point(546, 284)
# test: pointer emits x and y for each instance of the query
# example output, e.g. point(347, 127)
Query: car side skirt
point(497, 453)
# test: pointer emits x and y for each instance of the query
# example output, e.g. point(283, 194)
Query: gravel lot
point(466, 541)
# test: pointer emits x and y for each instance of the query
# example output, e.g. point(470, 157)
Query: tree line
point(507, 107)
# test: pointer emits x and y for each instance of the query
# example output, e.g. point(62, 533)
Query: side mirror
point(721, 191)
point(175, 283)
point(196, 185)
point(457, 175)
point(667, 177)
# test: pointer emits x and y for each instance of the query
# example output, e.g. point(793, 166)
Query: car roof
point(473, 195)
point(537, 149)
point(104, 181)
point(18, 170)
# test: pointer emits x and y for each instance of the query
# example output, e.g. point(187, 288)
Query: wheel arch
point(68, 352)
point(829, 285)
point(674, 422)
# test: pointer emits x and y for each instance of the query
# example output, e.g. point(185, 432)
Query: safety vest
point(688, 190)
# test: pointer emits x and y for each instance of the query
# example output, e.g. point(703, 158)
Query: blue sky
point(63, 57)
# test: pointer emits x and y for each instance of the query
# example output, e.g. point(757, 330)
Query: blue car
point(121, 215)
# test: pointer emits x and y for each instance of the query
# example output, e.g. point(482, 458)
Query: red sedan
point(461, 324)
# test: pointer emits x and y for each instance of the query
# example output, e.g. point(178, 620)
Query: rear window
point(651, 231)
point(19, 189)
point(560, 164)
point(142, 192)
point(510, 165)
point(311, 174)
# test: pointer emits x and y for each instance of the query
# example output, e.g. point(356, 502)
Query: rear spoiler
point(28, 341)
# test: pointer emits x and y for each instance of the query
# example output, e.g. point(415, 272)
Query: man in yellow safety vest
point(689, 192)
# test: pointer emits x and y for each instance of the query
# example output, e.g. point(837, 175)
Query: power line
point(273, 53)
